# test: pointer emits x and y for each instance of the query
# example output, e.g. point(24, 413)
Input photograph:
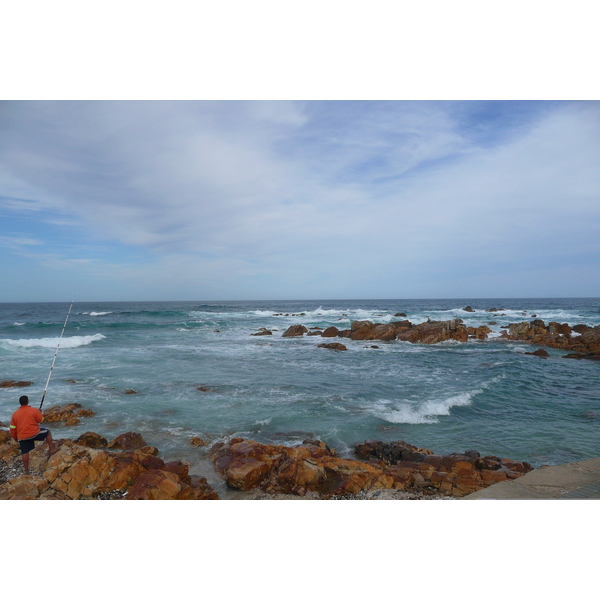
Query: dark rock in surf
point(11, 383)
point(541, 352)
point(333, 346)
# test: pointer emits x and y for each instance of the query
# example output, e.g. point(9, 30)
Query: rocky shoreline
point(91, 467)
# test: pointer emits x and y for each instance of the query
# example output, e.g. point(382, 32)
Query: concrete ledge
point(547, 483)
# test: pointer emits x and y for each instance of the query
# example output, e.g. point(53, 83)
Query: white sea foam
point(67, 342)
point(99, 314)
point(18, 324)
point(263, 422)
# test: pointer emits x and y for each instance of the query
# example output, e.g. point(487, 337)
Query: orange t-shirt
point(24, 422)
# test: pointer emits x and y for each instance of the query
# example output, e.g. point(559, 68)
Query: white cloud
point(293, 193)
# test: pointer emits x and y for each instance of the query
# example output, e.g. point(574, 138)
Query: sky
point(241, 200)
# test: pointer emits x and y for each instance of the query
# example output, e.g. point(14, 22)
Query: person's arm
point(39, 417)
point(13, 429)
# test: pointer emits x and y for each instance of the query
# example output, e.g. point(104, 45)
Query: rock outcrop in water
point(295, 331)
point(430, 332)
point(10, 383)
point(313, 467)
point(585, 344)
point(71, 414)
point(76, 471)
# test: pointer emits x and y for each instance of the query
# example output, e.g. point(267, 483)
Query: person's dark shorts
point(28, 444)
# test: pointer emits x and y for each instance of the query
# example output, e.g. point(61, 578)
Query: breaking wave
point(67, 342)
point(427, 412)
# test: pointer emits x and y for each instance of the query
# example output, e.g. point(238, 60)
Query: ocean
point(197, 371)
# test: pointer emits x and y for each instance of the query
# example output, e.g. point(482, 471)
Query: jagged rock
point(388, 452)
point(557, 335)
point(479, 332)
point(10, 383)
point(5, 436)
point(129, 391)
point(434, 332)
point(24, 487)
point(263, 331)
point(333, 346)
point(400, 314)
point(312, 467)
point(468, 309)
point(127, 441)
point(295, 331)
point(91, 440)
point(76, 472)
point(69, 413)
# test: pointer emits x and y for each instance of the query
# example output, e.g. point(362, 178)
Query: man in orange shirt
point(25, 430)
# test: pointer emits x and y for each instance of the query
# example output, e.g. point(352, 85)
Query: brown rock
point(295, 331)
point(91, 440)
point(85, 412)
point(262, 331)
point(66, 413)
point(25, 487)
point(152, 450)
point(127, 441)
point(541, 352)
point(330, 332)
point(179, 467)
point(201, 489)
point(333, 346)
point(198, 442)
point(155, 485)
point(581, 328)
point(434, 332)
point(10, 383)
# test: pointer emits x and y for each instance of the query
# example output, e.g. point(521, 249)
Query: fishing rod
point(56, 354)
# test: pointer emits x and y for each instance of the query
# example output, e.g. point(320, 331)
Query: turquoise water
point(487, 396)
